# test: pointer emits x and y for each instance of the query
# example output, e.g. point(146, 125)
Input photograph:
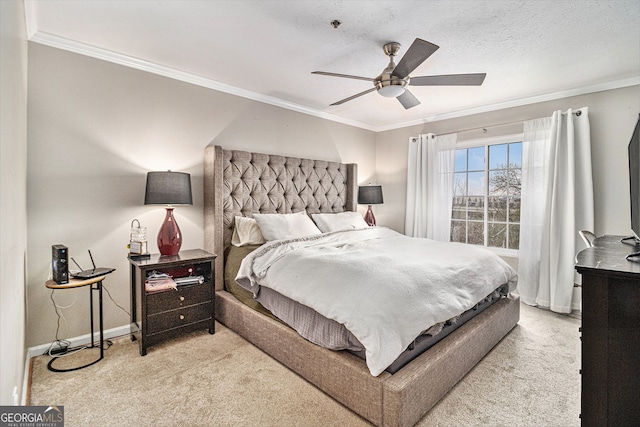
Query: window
point(486, 201)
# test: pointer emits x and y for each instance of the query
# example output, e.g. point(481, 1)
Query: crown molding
point(128, 61)
point(582, 90)
point(161, 70)
point(30, 20)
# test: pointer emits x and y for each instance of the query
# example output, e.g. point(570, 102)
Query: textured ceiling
point(266, 50)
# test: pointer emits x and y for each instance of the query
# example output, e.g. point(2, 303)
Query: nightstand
point(162, 315)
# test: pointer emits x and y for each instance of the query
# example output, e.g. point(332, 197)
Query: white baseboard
point(39, 350)
point(81, 340)
point(25, 380)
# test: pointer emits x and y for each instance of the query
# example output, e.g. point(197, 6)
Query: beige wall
point(612, 116)
point(96, 128)
point(13, 196)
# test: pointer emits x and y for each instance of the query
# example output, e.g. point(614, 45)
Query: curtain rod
point(577, 113)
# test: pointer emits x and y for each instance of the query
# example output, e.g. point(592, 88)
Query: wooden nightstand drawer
point(160, 316)
point(178, 318)
point(182, 297)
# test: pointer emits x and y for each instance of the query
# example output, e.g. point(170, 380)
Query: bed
point(239, 183)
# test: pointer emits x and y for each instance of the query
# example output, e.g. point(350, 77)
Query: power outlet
point(16, 398)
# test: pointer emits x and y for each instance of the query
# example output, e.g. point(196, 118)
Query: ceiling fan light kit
point(394, 79)
point(392, 90)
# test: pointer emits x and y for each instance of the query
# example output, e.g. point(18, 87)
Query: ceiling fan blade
point(416, 55)
point(346, 76)
point(449, 80)
point(408, 100)
point(342, 101)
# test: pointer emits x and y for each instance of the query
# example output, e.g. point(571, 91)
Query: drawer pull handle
point(181, 298)
point(182, 317)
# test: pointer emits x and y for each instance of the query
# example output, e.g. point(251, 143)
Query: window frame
point(486, 142)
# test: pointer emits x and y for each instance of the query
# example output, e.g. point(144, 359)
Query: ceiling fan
point(394, 80)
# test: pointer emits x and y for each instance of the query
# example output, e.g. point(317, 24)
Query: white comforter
point(386, 288)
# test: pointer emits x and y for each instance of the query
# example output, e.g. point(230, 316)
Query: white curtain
point(430, 186)
point(557, 202)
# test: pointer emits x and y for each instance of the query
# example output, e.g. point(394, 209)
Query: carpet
point(529, 379)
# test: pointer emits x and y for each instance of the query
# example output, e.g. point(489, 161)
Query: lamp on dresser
point(169, 189)
point(370, 195)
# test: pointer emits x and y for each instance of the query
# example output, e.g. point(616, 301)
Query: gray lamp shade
point(168, 188)
point(370, 195)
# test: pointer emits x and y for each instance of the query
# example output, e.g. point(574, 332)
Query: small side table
point(95, 284)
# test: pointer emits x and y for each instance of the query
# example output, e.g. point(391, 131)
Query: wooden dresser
point(157, 316)
point(610, 333)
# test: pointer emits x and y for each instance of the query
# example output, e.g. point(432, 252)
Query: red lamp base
point(169, 236)
point(369, 218)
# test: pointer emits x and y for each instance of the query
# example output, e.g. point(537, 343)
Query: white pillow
point(246, 232)
point(286, 226)
point(339, 221)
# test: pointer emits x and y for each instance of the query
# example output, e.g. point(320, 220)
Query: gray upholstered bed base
point(400, 399)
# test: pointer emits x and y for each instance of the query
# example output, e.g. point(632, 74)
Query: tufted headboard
point(239, 183)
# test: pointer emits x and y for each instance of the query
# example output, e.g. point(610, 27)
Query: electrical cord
point(69, 351)
point(109, 343)
point(632, 256)
point(62, 343)
point(625, 240)
point(112, 300)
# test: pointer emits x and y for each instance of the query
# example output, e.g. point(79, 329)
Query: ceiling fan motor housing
point(386, 83)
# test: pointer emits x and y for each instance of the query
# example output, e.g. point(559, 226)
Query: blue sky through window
point(486, 203)
point(461, 161)
point(476, 159)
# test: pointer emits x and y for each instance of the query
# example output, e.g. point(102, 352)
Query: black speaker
point(60, 264)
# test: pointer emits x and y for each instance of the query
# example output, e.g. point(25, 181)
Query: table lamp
point(169, 189)
point(370, 195)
